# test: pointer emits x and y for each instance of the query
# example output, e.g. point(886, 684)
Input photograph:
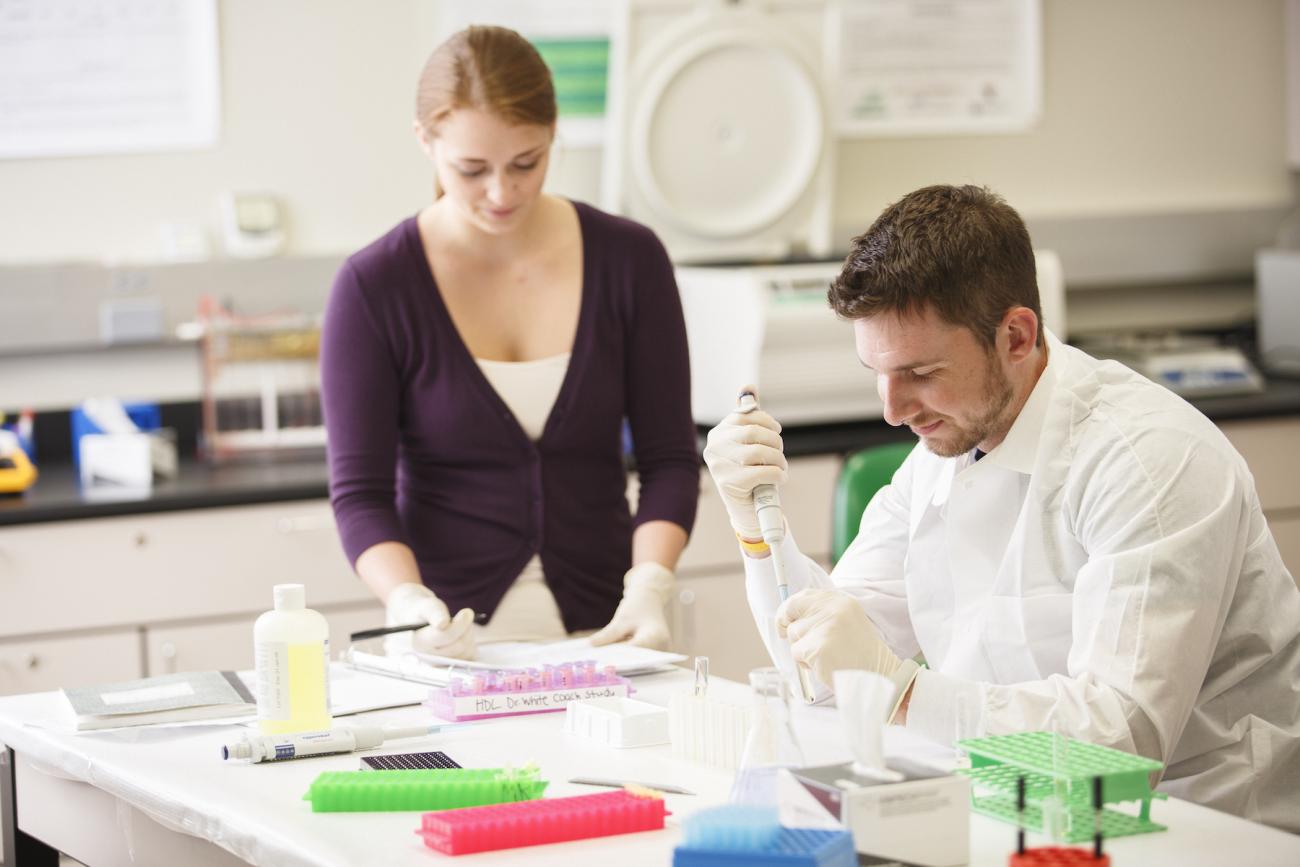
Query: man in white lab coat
point(1070, 546)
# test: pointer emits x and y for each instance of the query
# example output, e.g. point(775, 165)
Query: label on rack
point(528, 702)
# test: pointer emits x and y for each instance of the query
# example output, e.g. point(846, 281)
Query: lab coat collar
point(1019, 451)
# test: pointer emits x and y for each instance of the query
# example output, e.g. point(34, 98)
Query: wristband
point(759, 547)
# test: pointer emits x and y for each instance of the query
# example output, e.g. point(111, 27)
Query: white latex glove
point(744, 451)
point(444, 636)
point(829, 632)
point(639, 619)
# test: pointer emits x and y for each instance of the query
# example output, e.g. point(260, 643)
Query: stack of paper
point(168, 698)
point(628, 660)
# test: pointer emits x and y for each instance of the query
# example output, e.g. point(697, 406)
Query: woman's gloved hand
point(639, 619)
point(744, 451)
point(444, 636)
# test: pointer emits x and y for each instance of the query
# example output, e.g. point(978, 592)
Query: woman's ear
point(423, 138)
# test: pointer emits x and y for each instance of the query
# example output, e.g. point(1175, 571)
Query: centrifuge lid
point(728, 131)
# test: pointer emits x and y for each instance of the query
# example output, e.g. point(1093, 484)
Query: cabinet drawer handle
point(303, 524)
point(30, 661)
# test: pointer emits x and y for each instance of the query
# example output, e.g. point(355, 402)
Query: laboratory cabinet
point(1269, 446)
point(174, 590)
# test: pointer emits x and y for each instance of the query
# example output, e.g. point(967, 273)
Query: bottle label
point(272, 662)
point(282, 670)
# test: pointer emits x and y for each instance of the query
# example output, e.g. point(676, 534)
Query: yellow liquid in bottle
point(308, 691)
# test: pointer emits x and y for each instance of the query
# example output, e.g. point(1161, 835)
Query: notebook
point(183, 697)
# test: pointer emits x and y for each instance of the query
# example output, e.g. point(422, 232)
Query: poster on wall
point(922, 67)
point(87, 77)
point(573, 38)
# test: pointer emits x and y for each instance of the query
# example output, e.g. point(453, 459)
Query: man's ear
point(1020, 328)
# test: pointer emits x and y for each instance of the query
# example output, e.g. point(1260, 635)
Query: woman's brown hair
point(489, 68)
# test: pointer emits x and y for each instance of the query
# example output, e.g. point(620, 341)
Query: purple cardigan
point(423, 451)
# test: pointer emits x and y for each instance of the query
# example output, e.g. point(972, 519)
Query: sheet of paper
point(942, 66)
point(107, 76)
point(436, 670)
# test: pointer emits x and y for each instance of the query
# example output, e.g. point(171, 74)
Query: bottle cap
point(290, 597)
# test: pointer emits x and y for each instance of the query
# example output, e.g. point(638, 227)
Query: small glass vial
point(291, 655)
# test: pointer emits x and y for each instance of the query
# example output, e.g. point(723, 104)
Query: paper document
point(169, 698)
point(436, 670)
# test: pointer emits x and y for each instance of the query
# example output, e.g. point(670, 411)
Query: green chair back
point(864, 472)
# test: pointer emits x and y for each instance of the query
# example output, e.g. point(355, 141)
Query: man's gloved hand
point(829, 631)
point(444, 636)
point(639, 619)
point(745, 451)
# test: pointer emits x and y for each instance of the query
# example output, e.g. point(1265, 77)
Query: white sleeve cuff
point(944, 708)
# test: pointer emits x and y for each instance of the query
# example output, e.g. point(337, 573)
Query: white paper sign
point(107, 76)
point(908, 67)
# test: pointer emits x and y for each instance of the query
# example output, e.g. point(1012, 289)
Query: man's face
point(937, 379)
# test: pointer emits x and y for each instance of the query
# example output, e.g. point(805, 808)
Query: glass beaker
point(771, 744)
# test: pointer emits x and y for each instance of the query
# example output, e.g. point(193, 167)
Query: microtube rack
point(1052, 764)
point(552, 820)
point(708, 731)
point(437, 789)
point(531, 690)
point(744, 835)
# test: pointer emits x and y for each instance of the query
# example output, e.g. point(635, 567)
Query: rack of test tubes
point(530, 690)
point(1058, 772)
point(432, 789)
point(553, 820)
point(739, 835)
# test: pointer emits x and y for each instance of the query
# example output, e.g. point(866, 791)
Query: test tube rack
point(435, 789)
point(510, 692)
point(1053, 764)
point(708, 731)
point(744, 835)
point(552, 820)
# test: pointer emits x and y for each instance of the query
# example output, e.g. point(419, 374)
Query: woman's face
point(491, 170)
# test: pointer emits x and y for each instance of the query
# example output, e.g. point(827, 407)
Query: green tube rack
point(1055, 765)
point(432, 789)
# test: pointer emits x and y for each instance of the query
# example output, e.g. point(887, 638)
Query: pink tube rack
point(531, 690)
point(551, 820)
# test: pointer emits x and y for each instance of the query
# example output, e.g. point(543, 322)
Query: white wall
point(1154, 107)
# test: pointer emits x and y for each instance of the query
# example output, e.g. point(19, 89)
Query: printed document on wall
point(83, 77)
point(921, 67)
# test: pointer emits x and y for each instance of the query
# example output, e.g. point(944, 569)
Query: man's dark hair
point(962, 251)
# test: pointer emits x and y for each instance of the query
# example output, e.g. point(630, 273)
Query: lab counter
point(57, 495)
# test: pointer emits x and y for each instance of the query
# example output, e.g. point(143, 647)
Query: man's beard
point(989, 422)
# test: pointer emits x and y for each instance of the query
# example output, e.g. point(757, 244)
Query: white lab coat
point(1105, 572)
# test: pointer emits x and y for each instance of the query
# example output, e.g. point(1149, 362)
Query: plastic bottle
point(291, 654)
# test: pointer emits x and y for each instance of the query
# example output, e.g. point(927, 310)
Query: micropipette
point(345, 739)
point(771, 524)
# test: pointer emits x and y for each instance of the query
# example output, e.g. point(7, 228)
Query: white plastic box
point(618, 722)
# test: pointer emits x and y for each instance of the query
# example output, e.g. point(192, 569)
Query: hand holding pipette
point(755, 509)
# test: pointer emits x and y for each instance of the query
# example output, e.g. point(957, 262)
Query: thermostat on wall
point(251, 225)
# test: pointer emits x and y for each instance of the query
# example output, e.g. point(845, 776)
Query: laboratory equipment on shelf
point(1188, 365)
point(719, 128)
point(16, 471)
point(261, 383)
point(771, 326)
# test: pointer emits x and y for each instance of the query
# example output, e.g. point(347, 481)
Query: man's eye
point(926, 375)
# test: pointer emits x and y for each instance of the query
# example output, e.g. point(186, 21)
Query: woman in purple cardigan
point(478, 362)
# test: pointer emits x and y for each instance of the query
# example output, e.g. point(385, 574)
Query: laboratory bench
point(104, 586)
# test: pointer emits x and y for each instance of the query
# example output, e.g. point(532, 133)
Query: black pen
point(479, 617)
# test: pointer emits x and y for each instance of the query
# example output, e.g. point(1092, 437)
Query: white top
point(528, 388)
point(528, 611)
point(1107, 569)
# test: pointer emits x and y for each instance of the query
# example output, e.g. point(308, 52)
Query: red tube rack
point(552, 820)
